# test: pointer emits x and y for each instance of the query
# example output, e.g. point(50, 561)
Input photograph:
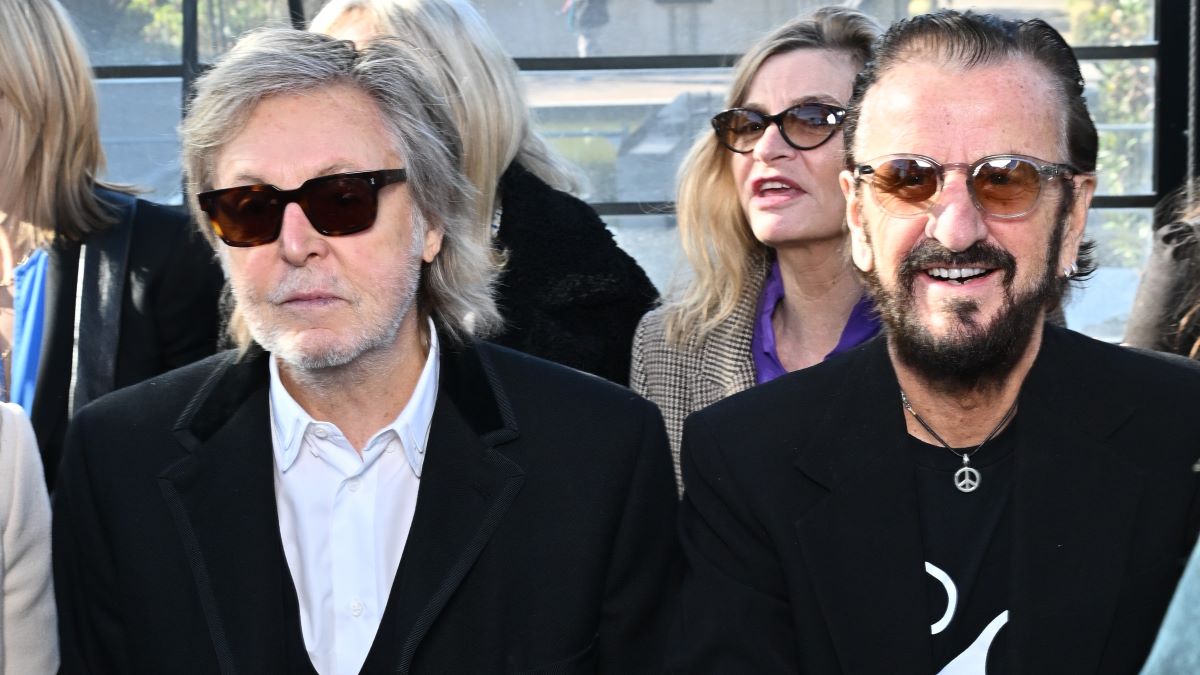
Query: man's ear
point(1085, 188)
point(860, 240)
point(433, 244)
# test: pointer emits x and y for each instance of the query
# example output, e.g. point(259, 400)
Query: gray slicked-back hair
point(456, 288)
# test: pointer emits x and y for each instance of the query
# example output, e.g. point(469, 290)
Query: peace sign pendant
point(966, 479)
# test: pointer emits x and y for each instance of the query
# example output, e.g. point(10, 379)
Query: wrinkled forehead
point(285, 139)
point(958, 113)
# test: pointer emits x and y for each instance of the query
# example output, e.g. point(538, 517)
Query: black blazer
point(543, 539)
point(568, 293)
point(802, 538)
point(151, 292)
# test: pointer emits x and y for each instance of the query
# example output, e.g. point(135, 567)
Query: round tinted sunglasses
point(336, 205)
point(804, 127)
point(1002, 186)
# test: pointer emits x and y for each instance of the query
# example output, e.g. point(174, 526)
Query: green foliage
point(151, 31)
point(164, 22)
point(1109, 22)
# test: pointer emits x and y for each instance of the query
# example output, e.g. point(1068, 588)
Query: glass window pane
point(627, 130)
point(222, 21)
point(138, 127)
point(141, 32)
point(653, 241)
point(541, 28)
point(131, 32)
point(1120, 96)
point(1122, 239)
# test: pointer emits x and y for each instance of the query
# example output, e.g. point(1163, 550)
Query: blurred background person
point(146, 286)
point(1166, 309)
point(567, 293)
point(762, 221)
point(28, 635)
point(585, 18)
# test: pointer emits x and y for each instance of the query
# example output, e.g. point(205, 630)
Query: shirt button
point(353, 485)
point(320, 432)
point(356, 608)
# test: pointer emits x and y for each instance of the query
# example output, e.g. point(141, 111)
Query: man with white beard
point(360, 486)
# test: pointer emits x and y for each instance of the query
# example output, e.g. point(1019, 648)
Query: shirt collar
point(289, 421)
point(862, 325)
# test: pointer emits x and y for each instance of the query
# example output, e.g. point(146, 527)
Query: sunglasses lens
point(808, 126)
point(340, 204)
point(1007, 186)
point(335, 205)
point(904, 185)
point(739, 130)
point(246, 216)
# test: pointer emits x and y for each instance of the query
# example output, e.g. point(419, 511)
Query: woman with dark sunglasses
point(98, 289)
point(761, 218)
point(568, 293)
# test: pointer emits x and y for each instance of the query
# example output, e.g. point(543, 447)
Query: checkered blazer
point(683, 380)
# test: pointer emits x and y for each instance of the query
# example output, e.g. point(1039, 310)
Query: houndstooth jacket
point(683, 380)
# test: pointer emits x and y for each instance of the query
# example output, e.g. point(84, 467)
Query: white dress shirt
point(344, 518)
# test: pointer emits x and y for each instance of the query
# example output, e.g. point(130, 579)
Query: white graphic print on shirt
point(973, 660)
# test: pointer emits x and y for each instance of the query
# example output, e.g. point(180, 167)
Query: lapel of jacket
point(100, 292)
point(726, 364)
point(101, 281)
point(1075, 506)
point(862, 541)
point(54, 362)
point(467, 486)
point(222, 498)
point(57, 263)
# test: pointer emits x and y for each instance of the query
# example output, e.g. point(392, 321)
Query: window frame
point(1176, 152)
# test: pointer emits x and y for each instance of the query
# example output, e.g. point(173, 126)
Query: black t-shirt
point(967, 544)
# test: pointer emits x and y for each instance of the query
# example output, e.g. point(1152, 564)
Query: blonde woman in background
point(762, 222)
point(567, 292)
point(28, 634)
point(98, 289)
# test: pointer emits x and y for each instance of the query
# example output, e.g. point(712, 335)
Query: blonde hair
point(456, 288)
point(479, 79)
point(716, 236)
point(50, 153)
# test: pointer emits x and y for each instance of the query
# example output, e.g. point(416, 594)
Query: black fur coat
point(568, 292)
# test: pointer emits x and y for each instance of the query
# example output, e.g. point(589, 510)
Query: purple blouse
point(862, 325)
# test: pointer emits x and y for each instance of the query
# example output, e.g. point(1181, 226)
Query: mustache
point(930, 253)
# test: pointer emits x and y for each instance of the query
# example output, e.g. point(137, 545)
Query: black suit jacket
point(542, 540)
point(151, 289)
point(801, 530)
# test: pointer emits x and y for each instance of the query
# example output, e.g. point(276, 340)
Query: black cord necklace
point(966, 479)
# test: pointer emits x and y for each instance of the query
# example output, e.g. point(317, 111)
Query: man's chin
point(310, 351)
point(966, 352)
point(317, 360)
